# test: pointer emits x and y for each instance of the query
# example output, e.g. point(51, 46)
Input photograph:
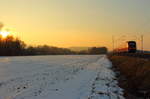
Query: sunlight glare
point(4, 33)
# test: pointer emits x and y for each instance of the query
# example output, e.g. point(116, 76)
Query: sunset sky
point(67, 23)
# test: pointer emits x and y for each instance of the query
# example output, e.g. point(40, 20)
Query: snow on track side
point(105, 85)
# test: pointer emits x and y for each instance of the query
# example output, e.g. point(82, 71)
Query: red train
point(128, 47)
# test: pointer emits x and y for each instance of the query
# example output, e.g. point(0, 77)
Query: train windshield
point(132, 44)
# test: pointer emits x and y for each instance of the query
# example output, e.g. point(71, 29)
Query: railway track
point(139, 55)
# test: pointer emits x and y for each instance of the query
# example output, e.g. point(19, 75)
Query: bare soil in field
point(134, 75)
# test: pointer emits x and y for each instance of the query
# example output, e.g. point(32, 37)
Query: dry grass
point(136, 71)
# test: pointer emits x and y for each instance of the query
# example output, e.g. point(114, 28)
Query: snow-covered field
point(58, 77)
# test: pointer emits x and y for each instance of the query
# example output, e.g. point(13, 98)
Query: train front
point(132, 47)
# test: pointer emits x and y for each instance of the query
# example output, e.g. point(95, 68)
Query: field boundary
point(134, 75)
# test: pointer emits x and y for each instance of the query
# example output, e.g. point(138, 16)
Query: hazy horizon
point(71, 23)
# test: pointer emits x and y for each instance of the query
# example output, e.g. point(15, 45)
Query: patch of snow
point(58, 77)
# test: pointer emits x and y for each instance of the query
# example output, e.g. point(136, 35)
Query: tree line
point(11, 46)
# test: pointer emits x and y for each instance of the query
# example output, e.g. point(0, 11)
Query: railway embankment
point(133, 75)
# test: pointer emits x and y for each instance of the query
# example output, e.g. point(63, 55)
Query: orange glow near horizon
point(76, 23)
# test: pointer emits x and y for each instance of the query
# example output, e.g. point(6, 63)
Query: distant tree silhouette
point(98, 50)
point(83, 52)
point(47, 50)
point(11, 46)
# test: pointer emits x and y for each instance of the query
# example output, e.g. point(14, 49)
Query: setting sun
point(4, 33)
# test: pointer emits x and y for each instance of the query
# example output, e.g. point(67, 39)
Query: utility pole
point(113, 43)
point(142, 42)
